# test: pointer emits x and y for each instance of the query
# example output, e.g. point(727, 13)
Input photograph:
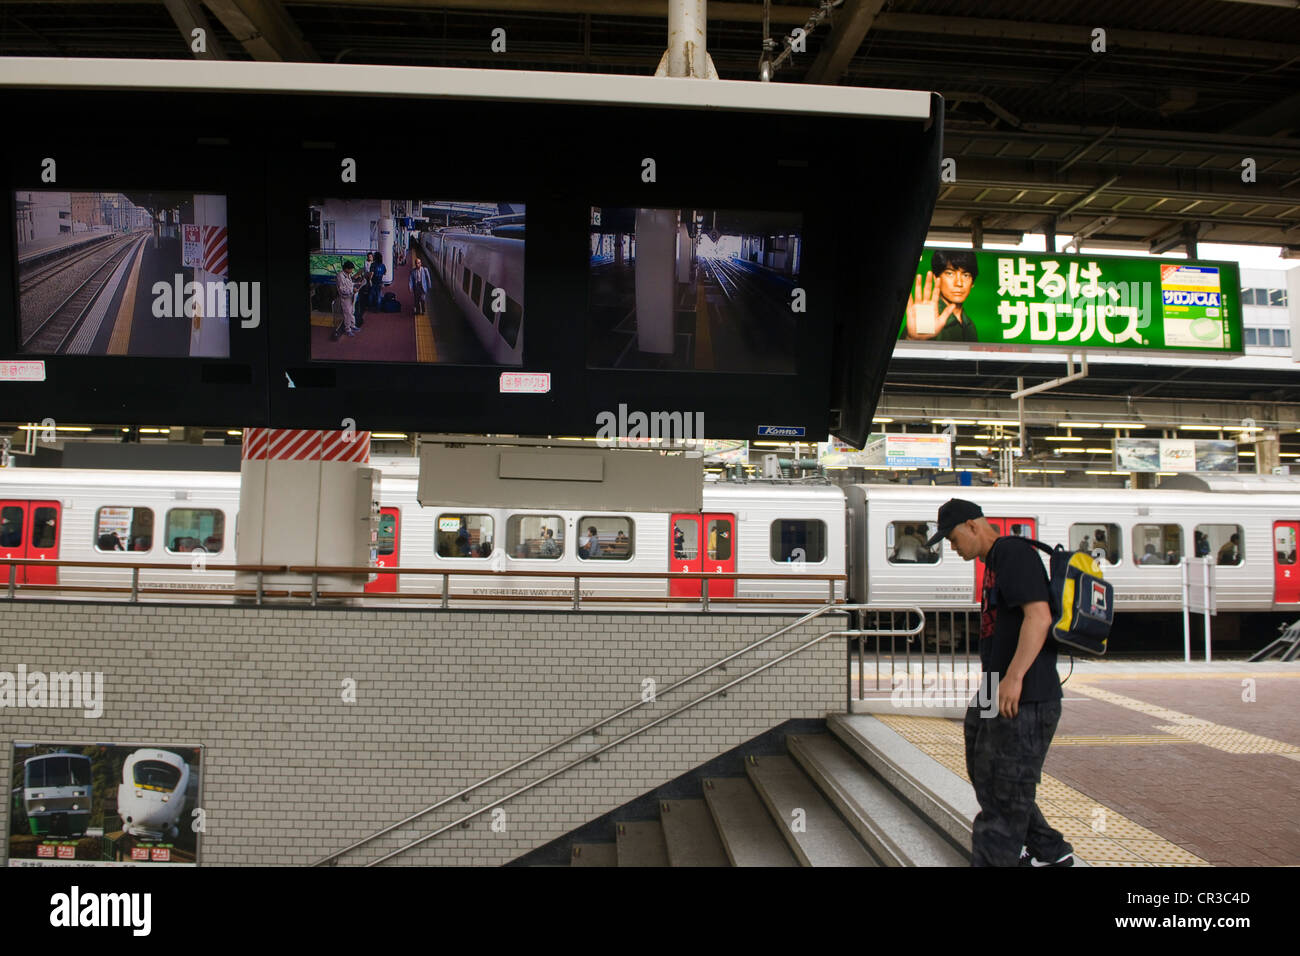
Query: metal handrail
point(626, 710)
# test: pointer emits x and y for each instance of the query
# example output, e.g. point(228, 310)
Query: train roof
point(1005, 498)
point(1254, 484)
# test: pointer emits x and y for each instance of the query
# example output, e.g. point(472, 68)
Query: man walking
point(418, 280)
point(1005, 750)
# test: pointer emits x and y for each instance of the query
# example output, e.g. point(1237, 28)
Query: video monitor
point(141, 273)
point(429, 281)
point(692, 289)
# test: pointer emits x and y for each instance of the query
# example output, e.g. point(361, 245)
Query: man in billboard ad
point(1069, 302)
point(936, 309)
point(97, 804)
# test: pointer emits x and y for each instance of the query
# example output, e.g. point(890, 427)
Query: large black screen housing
point(864, 185)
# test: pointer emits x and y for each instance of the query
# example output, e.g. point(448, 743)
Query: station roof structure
point(1141, 144)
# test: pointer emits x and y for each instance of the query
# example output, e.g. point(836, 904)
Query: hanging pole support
point(1070, 376)
point(687, 54)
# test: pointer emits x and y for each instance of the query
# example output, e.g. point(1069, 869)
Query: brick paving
point(1230, 809)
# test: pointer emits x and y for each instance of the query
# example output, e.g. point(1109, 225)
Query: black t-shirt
point(1014, 576)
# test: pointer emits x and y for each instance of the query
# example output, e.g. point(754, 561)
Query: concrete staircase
point(856, 795)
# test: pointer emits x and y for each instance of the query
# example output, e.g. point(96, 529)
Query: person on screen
point(419, 283)
point(591, 544)
point(947, 285)
point(344, 323)
point(376, 270)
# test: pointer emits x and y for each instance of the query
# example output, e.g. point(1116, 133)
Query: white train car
point(1144, 534)
point(472, 268)
point(157, 787)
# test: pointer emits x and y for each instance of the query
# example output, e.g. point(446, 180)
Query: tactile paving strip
point(1100, 835)
point(1194, 730)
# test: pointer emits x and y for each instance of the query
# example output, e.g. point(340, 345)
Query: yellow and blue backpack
point(1082, 602)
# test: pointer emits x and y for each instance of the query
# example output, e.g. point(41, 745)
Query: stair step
point(894, 831)
point(641, 843)
point(931, 788)
point(820, 838)
point(594, 854)
point(744, 825)
point(690, 835)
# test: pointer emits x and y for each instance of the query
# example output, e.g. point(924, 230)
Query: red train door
point(1286, 573)
point(684, 554)
point(389, 551)
point(720, 552)
point(29, 529)
point(1020, 527)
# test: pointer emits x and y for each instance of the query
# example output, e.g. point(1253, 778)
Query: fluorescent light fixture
point(1122, 425)
point(952, 421)
point(398, 436)
point(1246, 454)
point(1096, 451)
point(771, 444)
point(1288, 454)
point(1064, 438)
point(1078, 424)
point(996, 421)
point(1090, 472)
point(835, 467)
point(1042, 471)
point(1242, 428)
point(1201, 428)
point(62, 428)
point(233, 432)
point(880, 420)
point(972, 447)
point(155, 431)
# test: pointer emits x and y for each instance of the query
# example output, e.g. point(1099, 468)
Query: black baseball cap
point(952, 513)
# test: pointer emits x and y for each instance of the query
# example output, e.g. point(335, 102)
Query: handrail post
point(259, 589)
point(315, 588)
point(13, 580)
point(446, 586)
point(577, 592)
point(135, 584)
point(704, 592)
point(830, 598)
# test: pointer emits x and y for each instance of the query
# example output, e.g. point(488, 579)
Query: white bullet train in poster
point(157, 787)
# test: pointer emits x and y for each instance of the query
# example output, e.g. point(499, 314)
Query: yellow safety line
point(703, 332)
point(426, 347)
point(1195, 729)
point(1100, 835)
point(120, 340)
point(324, 320)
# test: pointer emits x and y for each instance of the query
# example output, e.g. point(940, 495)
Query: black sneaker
point(1027, 860)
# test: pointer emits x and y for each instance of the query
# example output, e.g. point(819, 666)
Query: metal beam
point(1280, 119)
point(264, 29)
point(188, 17)
point(852, 22)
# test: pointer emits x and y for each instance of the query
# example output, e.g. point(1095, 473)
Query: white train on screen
point(792, 530)
point(157, 787)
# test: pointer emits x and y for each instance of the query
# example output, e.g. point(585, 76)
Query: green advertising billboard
point(964, 296)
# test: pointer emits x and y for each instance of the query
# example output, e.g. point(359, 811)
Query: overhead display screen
point(126, 272)
point(964, 296)
point(437, 281)
point(707, 290)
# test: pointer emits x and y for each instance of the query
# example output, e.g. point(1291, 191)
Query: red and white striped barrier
point(305, 444)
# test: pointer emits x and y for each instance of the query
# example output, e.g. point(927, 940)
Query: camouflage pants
point(1004, 758)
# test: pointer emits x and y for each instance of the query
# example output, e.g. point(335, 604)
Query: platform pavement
point(1159, 763)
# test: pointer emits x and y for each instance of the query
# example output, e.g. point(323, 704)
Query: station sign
point(1175, 454)
point(891, 451)
point(964, 297)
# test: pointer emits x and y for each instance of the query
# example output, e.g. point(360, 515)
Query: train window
point(535, 536)
point(512, 319)
point(464, 536)
point(487, 302)
point(798, 539)
point(195, 529)
point(686, 539)
point(1158, 543)
point(123, 528)
point(464, 280)
point(606, 538)
point(477, 290)
point(1099, 540)
point(1223, 542)
point(905, 542)
point(45, 526)
point(1284, 544)
point(719, 539)
point(11, 527)
point(58, 770)
point(387, 533)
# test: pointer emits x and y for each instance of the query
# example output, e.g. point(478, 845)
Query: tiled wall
point(443, 699)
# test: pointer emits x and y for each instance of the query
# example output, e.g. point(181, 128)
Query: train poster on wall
point(448, 289)
point(1168, 454)
point(101, 804)
point(1036, 300)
